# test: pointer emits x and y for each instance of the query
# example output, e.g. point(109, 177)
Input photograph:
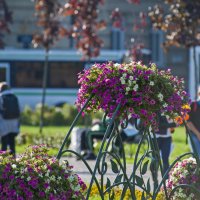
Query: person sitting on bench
point(98, 130)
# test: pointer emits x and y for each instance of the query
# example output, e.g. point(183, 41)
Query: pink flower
point(152, 102)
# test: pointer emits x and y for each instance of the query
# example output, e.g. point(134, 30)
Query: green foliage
point(29, 134)
point(56, 116)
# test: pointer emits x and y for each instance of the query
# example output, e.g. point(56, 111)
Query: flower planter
point(35, 175)
point(142, 91)
point(121, 91)
point(187, 174)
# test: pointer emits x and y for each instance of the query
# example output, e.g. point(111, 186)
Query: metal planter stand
point(118, 163)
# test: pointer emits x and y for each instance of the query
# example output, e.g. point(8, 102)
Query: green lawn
point(179, 140)
point(56, 131)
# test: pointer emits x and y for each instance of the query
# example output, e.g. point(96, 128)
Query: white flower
point(192, 160)
point(160, 96)
point(135, 88)
point(151, 83)
point(77, 188)
point(131, 78)
point(124, 75)
point(47, 174)
point(116, 64)
point(130, 82)
point(53, 178)
point(14, 166)
point(29, 178)
point(71, 178)
point(165, 105)
point(128, 89)
point(192, 195)
point(122, 80)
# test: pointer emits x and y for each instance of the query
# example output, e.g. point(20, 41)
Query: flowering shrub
point(184, 172)
point(118, 193)
point(142, 91)
point(35, 175)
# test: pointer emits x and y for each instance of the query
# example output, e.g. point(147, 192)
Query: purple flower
point(22, 185)
point(33, 183)
point(143, 112)
point(20, 198)
point(46, 185)
point(12, 177)
point(41, 194)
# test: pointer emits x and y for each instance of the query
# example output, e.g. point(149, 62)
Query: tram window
point(28, 74)
point(2, 74)
point(60, 74)
point(64, 75)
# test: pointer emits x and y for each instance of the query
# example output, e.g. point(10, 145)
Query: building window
point(72, 41)
point(117, 39)
point(25, 40)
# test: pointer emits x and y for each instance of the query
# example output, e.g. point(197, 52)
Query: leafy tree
point(134, 46)
point(85, 27)
point(5, 20)
point(181, 22)
point(47, 13)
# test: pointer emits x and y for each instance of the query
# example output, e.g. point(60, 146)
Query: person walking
point(193, 123)
point(9, 118)
point(164, 142)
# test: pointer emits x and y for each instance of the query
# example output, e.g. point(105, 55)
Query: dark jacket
point(163, 125)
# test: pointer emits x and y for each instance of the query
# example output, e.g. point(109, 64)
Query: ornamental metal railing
point(134, 181)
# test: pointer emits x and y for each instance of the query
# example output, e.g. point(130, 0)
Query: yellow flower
point(186, 106)
point(118, 191)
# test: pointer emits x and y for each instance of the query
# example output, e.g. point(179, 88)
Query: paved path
point(82, 171)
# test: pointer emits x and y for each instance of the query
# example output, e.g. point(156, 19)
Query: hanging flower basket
point(142, 91)
point(35, 175)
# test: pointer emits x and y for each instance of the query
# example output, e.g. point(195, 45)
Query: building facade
point(116, 43)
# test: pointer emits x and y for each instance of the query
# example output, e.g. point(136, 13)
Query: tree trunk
point(44, 85)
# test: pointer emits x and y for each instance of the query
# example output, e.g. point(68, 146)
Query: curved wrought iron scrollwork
point(117, 162)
